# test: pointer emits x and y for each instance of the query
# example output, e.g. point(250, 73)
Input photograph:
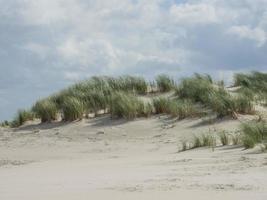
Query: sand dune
point(114, 159)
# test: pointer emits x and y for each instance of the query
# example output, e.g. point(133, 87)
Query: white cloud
point(191, 14)
point(89, 53)
point(77, 38)
point(244, 32)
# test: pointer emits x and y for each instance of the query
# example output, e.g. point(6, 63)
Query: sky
point(46, 45)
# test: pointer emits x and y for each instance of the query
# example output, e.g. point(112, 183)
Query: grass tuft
point(72, 109)
point(253, 133)
point(125, 105)
point(224, 138)
point(46, 110)
point(164, 83)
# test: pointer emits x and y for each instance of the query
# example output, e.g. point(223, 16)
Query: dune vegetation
point(194, 96)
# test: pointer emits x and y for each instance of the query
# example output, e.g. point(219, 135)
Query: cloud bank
point(49, 44)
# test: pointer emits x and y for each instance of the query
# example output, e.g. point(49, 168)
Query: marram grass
point(253, 133)
point(119, 97)
point(72, 109)
point(46, 110)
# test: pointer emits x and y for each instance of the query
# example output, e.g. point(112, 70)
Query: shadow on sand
point(42, 126)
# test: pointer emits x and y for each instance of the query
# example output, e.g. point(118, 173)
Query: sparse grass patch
point(236, 139)
point(205, 140)
point(244, 104)
point(197, 142)
point(21, 117)
point(224, 138)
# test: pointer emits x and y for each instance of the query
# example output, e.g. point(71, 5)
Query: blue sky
point(48, 44)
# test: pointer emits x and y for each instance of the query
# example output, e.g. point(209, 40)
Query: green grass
point(72, 109)
point(164, 83)
point(255, 81)
point(21, 117)
point(205, 140)
point(224, 138)
point(199, 91)
point(161, 105)
point(196, 88)
point(46, 110)
point(181, 109)
point(253, 133)
point(125, 105)
point(244, 104)
point(146, 109)
point(221, 103)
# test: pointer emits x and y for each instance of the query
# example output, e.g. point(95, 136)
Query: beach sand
point(115, 159)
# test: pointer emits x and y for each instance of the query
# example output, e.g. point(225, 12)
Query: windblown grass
point(244, 104)
point(118, 96)
point(224, 138)
point(72, 109)
point(252, 84)
point(164, 83)
point(161, 105)
point(200, 89)
point(181, 109)
point(46, 110)
point(125, 105)
point(146, 109)
point(203, 141)
point(196, 88)
point(21, 117)
point(253, 133)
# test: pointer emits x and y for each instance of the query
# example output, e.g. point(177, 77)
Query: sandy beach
point(114, 159)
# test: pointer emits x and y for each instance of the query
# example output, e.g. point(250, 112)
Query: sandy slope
point(105, 159)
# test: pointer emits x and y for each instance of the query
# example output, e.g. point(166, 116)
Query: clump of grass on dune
point(200, 89)
point(221, 103)
point(128, 84)
point(72, 109)
point(253, 133)
point(203, 141)
point(125, 105)
point(46, 110)
point(21, 117)
point(146, 109)
point(96, 100)
point(244, 104)
point(161, 105)
point(181, 109)
point(255, 81)
point(135, 84)
point(224, 138)
point(164, 83)
point(196, 88)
